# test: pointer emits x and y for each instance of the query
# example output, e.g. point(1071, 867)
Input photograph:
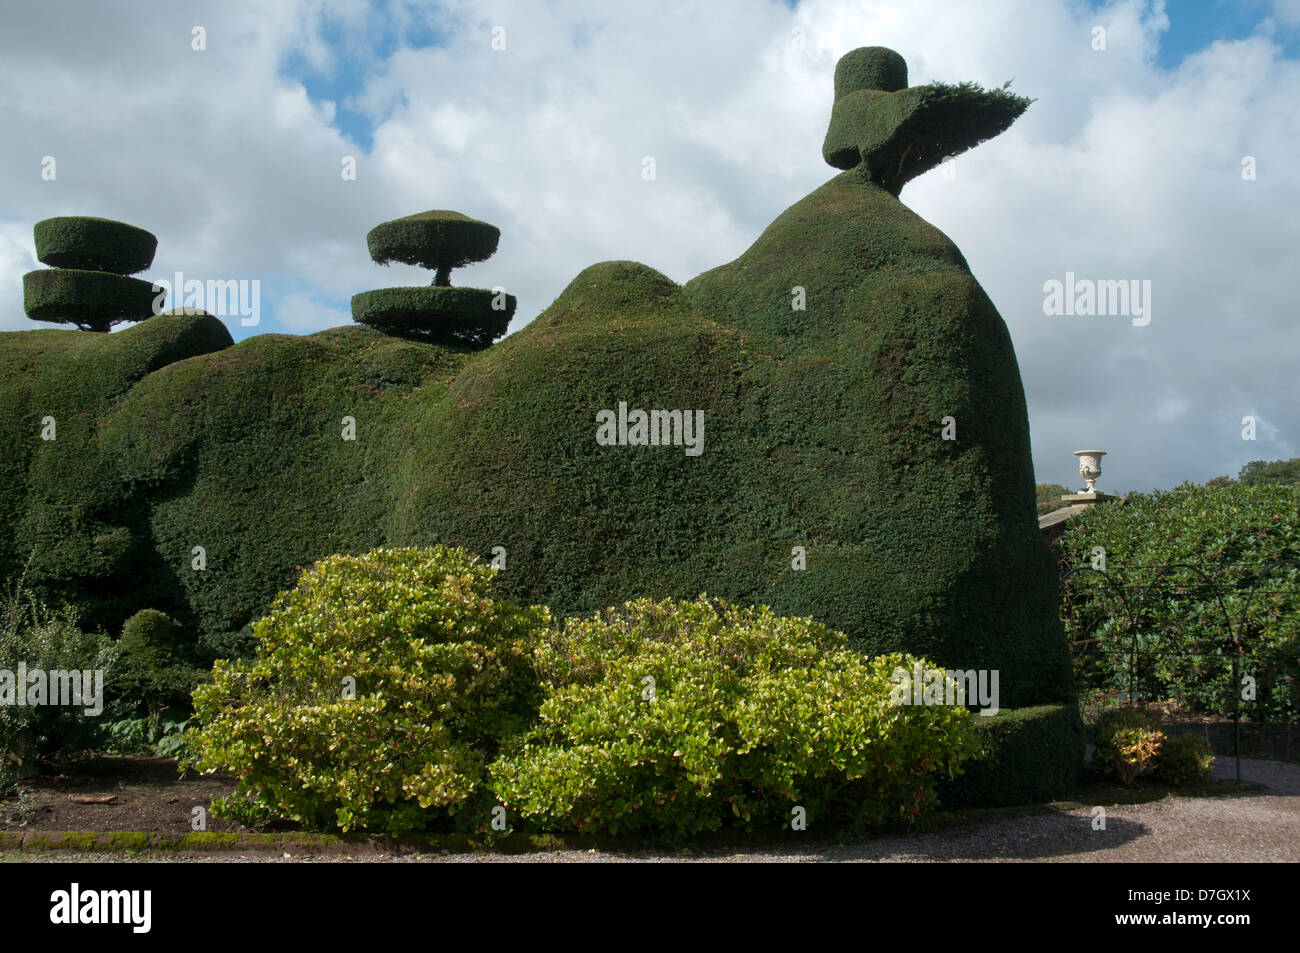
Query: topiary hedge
point(94, 244)
point(1030, 755)
point(897, 132)
point(92, 300)
point(82, 535)
point(459, 316)
point(439, 240)
point(455, 316)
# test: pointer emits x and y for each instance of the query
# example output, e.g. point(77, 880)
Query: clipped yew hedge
point(92, 300)
point(1029, 755)
point(455, 316)
point(439, 240)
point(94, 244)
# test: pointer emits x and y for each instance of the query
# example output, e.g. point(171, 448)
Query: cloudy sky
point(1129, 165)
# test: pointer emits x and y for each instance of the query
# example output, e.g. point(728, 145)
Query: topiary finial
point(894, 131)
point(439, 240)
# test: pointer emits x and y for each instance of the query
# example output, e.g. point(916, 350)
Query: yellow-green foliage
point(381, 687)
point(676, 718)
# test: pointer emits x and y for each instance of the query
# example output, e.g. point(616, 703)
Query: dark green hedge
point(88, 537)
point(898, 136)
point(439, 240)
point(92, 300)
point(870, 67)
point(458, 316)
point(94, 244)
point(1032, 755)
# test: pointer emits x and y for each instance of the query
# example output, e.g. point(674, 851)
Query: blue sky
point(1126, 166)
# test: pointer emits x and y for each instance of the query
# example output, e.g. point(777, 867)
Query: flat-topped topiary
point(94, 244)
point(438, 240)
point(92, 300)
point(87, 284)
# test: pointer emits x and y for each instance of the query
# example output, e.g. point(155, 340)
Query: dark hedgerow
point(453, 316)
point(94, 244)
point(438, 240)
point(92, 300)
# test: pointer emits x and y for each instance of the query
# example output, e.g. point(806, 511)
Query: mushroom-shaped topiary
point(437, 240)
point(440, 241)
point(895, 131)
point(87, 285)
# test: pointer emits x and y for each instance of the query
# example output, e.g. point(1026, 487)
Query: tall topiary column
point(86, 284)
point(439, 241)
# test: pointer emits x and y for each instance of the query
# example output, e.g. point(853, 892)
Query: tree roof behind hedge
point(439, 240)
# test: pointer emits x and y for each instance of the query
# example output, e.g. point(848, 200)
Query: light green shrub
point(675, 718)
point(441, 672)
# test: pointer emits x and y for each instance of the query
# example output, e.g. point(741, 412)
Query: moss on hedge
point(94, 244)
point(92, 300)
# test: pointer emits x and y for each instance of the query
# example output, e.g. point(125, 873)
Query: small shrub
point(441, 672)
point(676, 718)
point(36, 637)
point(150, 674)
point(1129, 741)
point(1184, 759)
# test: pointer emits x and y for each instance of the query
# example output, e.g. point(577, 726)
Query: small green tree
point(149, 671)
point(1259, 473)
point(1048, 492)
point(36, 638)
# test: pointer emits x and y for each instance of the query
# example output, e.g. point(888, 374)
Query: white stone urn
point(1090, 467)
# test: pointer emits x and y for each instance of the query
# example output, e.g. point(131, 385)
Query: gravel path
point(1255, 827)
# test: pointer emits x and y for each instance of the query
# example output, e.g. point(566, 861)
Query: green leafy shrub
point(151, 673)
point(1184, 759)
point(675, 718)
point(35, 637)
point(1187, 645)
point(441, 672)
point(1128, 741)
point(163, 739)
